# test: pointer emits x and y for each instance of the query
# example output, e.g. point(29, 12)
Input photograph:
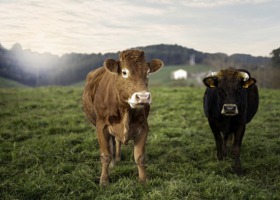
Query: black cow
point(230, 101)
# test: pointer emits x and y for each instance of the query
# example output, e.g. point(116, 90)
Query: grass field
point(49, 151)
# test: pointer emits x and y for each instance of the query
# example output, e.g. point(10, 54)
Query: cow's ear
point(111, 65)
point(155, 65)
point(210, 82)
point(249, 83)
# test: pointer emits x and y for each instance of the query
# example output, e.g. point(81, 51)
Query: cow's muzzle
point(229, 110)
point(139, 99)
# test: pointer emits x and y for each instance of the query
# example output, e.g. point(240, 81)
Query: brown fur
point(105, 105)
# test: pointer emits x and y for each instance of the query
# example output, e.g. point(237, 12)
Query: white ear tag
point(148, 73)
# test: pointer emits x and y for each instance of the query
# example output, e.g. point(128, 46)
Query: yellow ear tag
point(247, 84)
point(212, 85)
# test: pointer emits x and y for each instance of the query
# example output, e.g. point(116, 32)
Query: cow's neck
point(119, 124)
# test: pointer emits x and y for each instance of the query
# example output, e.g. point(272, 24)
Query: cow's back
point(92, 81)
point(252, 102)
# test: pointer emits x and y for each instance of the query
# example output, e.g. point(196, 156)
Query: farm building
point(179, 74)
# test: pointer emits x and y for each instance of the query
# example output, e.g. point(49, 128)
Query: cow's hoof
point(118, 158)
point(112, 164)
point(220, 158)
point(104, 182)
point(143, 181)
point(238, 171)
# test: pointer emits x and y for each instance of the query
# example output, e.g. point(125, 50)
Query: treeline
point(178, 55)
point(34, 69)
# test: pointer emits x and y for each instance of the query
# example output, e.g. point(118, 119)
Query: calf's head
point(231, 88)
point(131, 73)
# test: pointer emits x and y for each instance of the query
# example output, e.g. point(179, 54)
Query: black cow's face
point(231, 95)
point(231, 86)
point(132, 75)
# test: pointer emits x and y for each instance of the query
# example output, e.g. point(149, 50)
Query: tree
point(275, 57)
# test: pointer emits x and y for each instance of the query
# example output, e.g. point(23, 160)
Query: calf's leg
point(139, 153)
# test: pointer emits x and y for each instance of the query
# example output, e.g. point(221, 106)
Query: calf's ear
point(111, 65)
point(155, 65)
point(210, 82)
point(248, 83)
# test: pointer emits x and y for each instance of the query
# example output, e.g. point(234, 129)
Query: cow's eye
point(125, 73)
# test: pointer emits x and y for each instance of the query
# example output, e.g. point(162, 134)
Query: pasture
point(49, 151)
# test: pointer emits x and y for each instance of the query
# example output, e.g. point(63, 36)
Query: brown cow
point(116, 100)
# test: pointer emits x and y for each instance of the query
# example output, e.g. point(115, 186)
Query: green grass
point(49, 151)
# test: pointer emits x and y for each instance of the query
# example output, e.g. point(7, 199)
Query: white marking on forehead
point(148, 73)
point(125, 72)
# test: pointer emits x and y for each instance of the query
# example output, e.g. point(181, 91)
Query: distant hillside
point(178, 55)
point(34, 69)
point(6, 83)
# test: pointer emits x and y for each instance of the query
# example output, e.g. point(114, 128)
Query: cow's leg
point(112, 144)
point(118, 150)
point(103, 139)
point(224, 149)
point(218, 139)
point(230, 140)
point(238, 136)
point(115, 147)
point(139, 153)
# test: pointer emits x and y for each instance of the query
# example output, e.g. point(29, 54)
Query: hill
point(7, 83)
point(34, 69)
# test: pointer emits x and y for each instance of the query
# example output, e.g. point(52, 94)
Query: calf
point(116, 100)
point(230, 101)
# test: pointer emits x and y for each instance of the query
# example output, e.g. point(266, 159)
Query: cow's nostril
point(147, 96)
point(229, 109)
point(142, 96)
point(138, 98)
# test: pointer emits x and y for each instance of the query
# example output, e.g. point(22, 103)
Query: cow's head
point(132, 74)
point(231, 85)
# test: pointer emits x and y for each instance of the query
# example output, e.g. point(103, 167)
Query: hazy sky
point(93, 26)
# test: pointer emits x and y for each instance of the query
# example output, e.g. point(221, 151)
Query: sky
point(102, 26)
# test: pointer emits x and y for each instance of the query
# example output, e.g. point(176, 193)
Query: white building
point(179, 74)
